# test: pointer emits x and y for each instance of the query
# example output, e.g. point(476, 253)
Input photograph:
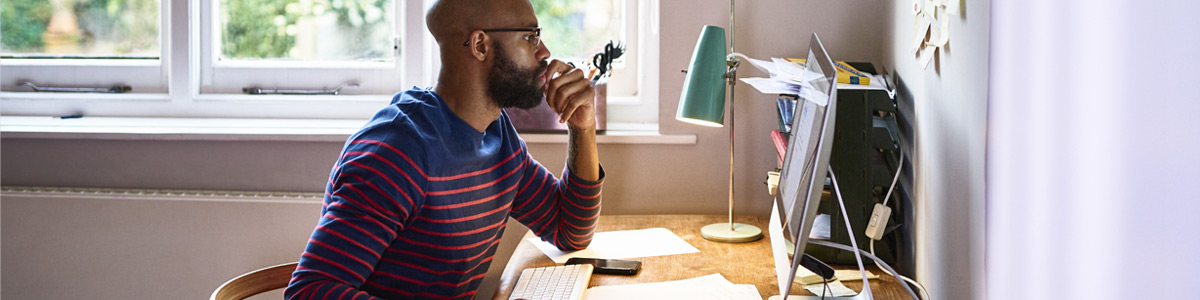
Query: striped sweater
point(417, 202)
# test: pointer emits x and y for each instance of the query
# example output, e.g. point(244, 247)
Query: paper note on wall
point(927, 56)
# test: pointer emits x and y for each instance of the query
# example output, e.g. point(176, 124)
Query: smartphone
point(609, 266)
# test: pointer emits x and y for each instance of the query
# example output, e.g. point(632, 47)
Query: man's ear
point(480, 44)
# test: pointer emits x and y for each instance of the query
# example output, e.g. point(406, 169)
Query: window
point(575, 30)
point(97, 43)
point(314, 45)
point(196, 58)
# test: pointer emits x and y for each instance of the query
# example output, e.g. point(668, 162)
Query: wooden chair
point(255, 282)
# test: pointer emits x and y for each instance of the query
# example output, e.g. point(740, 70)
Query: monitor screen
point(805, 163)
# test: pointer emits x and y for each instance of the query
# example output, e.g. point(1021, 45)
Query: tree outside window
point(340, 30)
point(576, 29)
point(79, 28)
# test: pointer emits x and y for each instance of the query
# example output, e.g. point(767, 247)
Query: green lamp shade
point(703, 98)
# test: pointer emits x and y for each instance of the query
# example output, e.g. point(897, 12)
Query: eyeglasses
point(534, 39)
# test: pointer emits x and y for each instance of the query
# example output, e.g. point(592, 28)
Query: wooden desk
point(742, 263)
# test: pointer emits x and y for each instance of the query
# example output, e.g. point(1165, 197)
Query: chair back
point(255, 282)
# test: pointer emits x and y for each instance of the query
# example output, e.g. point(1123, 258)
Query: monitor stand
point(866, 290)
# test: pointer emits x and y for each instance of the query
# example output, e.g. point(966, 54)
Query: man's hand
point(571, 95)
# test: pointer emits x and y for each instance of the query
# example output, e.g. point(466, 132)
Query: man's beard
point(511, 86)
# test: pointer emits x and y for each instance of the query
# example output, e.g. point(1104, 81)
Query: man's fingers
point(554, 67)
point(568, 91)
point(554, 90)
point(557, 67)
point(575, 94)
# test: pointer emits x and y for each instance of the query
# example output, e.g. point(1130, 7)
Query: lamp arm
point(731, 64)
point(736, 55)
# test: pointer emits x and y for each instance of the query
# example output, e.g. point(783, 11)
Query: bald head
point(451, 21)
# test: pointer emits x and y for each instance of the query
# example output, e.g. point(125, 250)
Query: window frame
point(142, 75)
point(182, 93)
point(639, 111)
point(229, 77)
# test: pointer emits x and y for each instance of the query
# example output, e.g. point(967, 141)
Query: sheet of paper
point(763, 65)
point(771, 86)
point(920, 28)
point(810, 94)
point(821, 227)
point(852, 275)
point(935, 33)
point(790, 72)
point(622, 244)
point(714, 287)
point(931, 7)
point(806, 277)
point(952, 7)
point(835, 289)
point(747, 291)
point(927, 56)
point(943, 34)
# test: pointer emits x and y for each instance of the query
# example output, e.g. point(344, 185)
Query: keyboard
point(553, 283)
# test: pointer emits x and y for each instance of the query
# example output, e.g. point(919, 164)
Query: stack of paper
point(815, 284)
point(833, 289)
point(714, 287)
point(787, 77)
point(806, 277)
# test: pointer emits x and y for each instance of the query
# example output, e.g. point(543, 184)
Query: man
point(416, 204)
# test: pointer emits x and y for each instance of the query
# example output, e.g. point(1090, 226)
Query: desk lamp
point(702, 102)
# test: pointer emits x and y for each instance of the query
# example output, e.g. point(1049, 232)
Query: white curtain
point(1093, 150)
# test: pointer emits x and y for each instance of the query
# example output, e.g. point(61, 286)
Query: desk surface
point(742, 263)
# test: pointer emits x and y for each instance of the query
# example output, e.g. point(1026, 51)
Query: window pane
point(576, 29)
point(354, 30)
point(79, 28)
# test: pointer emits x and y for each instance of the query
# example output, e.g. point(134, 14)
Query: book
point(780, 145)
point(787, 110)
point(847, 74)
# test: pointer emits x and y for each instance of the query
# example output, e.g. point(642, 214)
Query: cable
point(924, 292)
point(899, 167)
point(824, 288)
point(853, 242)
point(883, 265)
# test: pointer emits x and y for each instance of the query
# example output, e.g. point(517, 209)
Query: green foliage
point(257, 29)
point(22, 23)
point(362, 20)
point(267, 28)
point(131, 24)
point(561, 25)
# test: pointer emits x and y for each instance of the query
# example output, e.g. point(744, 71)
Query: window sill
point(239, 129)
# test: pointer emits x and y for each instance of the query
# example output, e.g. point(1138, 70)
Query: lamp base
point(741, 233)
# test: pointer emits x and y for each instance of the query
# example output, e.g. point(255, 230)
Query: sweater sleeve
point(563, 211)
point(371, 193)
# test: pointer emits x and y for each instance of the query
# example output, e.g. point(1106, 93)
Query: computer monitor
point(806, 163)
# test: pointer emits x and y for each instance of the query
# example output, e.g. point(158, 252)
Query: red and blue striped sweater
point(417, 202)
